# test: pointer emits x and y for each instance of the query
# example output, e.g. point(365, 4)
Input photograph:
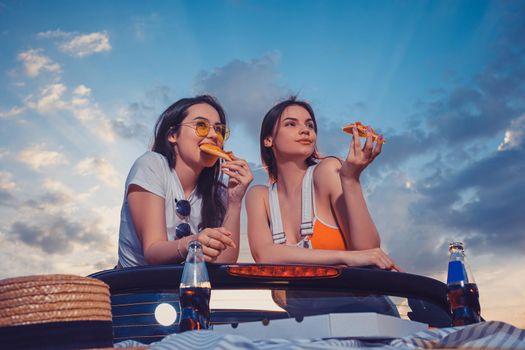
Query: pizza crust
point(216, 151)
point(362, 131)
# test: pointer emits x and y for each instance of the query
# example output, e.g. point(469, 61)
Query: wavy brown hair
point(209, 183)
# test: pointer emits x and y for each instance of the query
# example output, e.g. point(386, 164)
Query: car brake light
point(284, 271)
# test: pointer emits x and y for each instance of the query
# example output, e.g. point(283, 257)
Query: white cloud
point(34, 62)
point(80, 102)
point(515, 135)
point(57, 200)
point(37, 157)
point(60, 199)
point(57, 187)
point(53, 98)
point(106, 130)
point(109, 217)
point(80, 95)
point(58, 235)
point(50, 34)
point(102, 169)
point(57, 223)
point(6, 182)
point(92, 116)
point(15, 262)
point(88, 194)
point(50, 99)
point(82, 90)
point(13, 112)
point(88, 44)
point(65, 191)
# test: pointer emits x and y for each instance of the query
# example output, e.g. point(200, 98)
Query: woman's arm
point(348, 204)
point(240, 176)
point(148, 215)
point(149, 219)
point(265, 251)
point(232, 223)
point(356, 161)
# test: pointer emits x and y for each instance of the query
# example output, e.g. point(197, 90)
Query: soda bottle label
point(195, 307)
point(464, 303)
point(456, 272)
point(194, 291)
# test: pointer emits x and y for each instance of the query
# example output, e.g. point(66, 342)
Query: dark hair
point(268, 125)
point(209, 183)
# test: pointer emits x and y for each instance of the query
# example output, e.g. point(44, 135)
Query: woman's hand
point(376, 257)
point(214, 241)
point(240, 176)
point(359, 158)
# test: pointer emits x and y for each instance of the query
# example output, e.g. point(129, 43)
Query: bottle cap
point(194, 244)
point(456, 246)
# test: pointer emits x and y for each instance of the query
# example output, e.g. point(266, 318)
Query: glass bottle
point(462, 291)
point(194, 291)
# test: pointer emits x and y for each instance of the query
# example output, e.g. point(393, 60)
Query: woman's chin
point(306, 152)
point(208, 161)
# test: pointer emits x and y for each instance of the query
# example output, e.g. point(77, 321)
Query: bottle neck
point(457, 255)
point(195, 274)
point(195, 254)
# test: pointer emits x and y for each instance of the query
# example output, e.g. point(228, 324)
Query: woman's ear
point(268, 142)
point(172, 138)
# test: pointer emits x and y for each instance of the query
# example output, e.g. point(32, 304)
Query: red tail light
point(284, 271)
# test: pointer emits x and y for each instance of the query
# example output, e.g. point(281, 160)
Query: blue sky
point(83, 83)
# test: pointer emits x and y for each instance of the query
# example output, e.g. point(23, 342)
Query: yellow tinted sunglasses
point(202, 129)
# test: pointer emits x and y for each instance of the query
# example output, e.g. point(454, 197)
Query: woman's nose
point(212, 134)
point(305, 130)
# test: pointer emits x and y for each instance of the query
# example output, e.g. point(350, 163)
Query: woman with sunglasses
point(311, 202)
point(175, 194)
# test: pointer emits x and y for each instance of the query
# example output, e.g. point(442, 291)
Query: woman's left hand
point(240, 177)
point(214, 241)
point(359, 158)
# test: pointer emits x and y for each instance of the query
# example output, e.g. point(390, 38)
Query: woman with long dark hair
point(174, 193)
point(311, 202)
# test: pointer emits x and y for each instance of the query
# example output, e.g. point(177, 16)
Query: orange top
point(327, 237)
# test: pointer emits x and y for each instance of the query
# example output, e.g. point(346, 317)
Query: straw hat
point(55, 311)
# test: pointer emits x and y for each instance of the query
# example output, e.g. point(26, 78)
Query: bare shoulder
point(328, 166)
point(257, 193)
point(326, 174)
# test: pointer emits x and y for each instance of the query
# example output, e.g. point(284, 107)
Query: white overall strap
point(307, 227)
point(276, 223)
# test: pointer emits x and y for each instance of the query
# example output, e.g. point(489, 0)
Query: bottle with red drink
point(462, 291)
point(194, 291)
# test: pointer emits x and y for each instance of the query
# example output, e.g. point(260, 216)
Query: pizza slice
point(362, 131)
point(216, 151)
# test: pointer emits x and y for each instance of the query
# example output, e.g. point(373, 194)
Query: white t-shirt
point(151, 171)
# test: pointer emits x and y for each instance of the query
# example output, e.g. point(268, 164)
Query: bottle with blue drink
point(194, 291)
point(462, 291)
